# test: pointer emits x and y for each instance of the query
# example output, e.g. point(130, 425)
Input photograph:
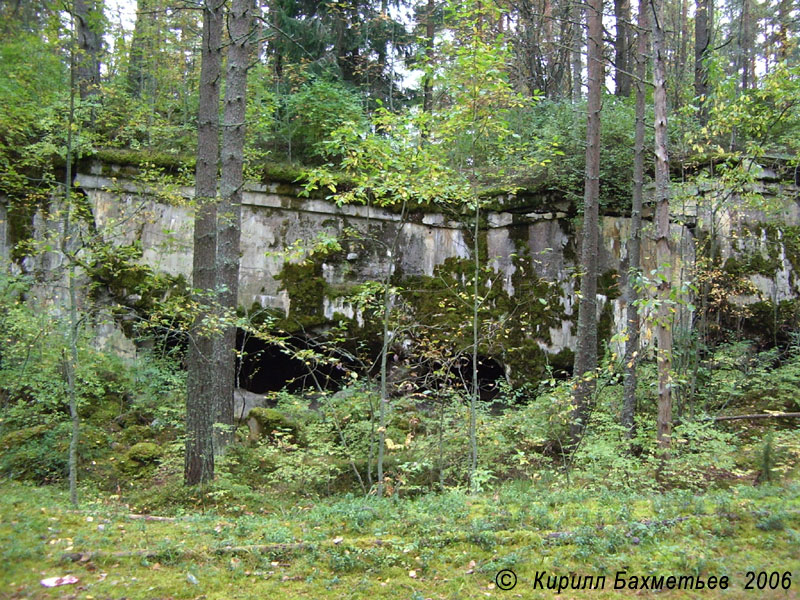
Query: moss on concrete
point(126, 157)
point(514, 328)
point(762, 249)
point(605, 326)
point(306, 288)
point(769, 323)
point(116, 270)
point(271, 422)
point(766, 259)
point(20, 215)
point(532, 193)
point(129, 162)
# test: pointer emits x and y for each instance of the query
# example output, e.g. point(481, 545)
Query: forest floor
point(448, 546)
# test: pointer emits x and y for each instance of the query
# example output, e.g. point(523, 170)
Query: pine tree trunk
point(89, 20)
point(71, 361)
point(635, 241)
point(785, 28)
point(577, 47)
point(663, 256)
point(745, 42)
point(140, 76)
point(586, 353)
point(384, 391)
point(229, 214)
point(430, 33)
point(199, 464)
point(678, 79)
point(473, 399)
point(704, 20)
point(562, 84)
point(622, 77)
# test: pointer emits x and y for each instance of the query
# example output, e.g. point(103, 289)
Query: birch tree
point(663, 257)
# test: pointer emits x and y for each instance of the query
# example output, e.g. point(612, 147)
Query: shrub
point(39, 453)
point(305, 118)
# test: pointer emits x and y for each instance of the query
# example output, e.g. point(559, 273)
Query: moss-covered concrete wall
point(304, 257)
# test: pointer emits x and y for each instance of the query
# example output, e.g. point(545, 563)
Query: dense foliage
point(308, 452)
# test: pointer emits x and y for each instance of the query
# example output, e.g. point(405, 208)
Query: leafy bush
point(123, 121)
point(112, 395)
point(39, 453)
point(565, 125)
point(297, 123)
point(31, 375)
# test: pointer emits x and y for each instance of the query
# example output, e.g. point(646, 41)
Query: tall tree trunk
point(561, 77)
point(663, 257)
point(430, 33)
point(140, 72)
point(745, 42)
point(679, 77)
point(386, 344)
point(71, 361)
point(388, 299)
point(473, 399)
point(577, 48)
point(785, 28)
point(199, 464)
point(704, 21)
point(622, 77)
point(276, 47)
point(549, 57)
point(229, 214)
point(635, 241)
point(89, 20)
point(586, 354)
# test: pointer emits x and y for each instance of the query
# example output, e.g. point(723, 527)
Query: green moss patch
point(126, 157)
point(140, 459)
point(306, 288)
point(271, 422)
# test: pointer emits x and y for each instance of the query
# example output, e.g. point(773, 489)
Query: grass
point(438, 546)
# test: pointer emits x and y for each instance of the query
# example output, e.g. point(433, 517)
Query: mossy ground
point(453, 543)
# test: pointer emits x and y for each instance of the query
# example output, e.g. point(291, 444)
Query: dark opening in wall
point(490, 374)
point(267, 367)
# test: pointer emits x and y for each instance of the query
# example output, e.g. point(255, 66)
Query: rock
point(144, 452)
point(244, 402)
point(141, 455)
point(17, 438)
point(267, 422)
